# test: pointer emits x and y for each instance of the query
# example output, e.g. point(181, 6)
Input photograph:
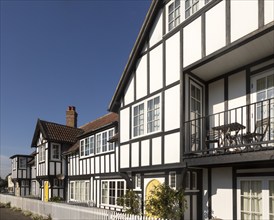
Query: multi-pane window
point(138, 120)
point(98, 143)
point(153, 115)
point(42, 153)
point(80, 190)
point(14, 163)
point(138, 181)
point(111, 191)
point(146, 117)
point(191, 6)
point(55, 152)
point(172, 179)
point(104, 142)
point(251, 199)
point(173, 14)
point(22, 163)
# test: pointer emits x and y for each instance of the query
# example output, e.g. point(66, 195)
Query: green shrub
point(56, 199)
point(130, 202)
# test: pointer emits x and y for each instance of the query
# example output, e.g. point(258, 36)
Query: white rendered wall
point(156, 151)
point(124, 155)
point(172, 108)
point(222, 191)
point(173, 59)
point(124, 125)
point(97, 165)
point(172, 148)
point(215, 20)
point(236, 96)
point(129, 93)
point(145, 153)
point(102, 167)
point(141, 78)
point(192, 42)
point(244, 18)
point(156, 68)
point(269, 11)
point(157, 30)
point(135, 154)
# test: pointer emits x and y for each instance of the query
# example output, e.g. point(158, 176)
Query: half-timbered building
point(21, 174)
point(93, 162)
point(196, 106)
point(51, 140)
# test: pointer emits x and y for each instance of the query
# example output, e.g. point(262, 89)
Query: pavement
point(8, 214)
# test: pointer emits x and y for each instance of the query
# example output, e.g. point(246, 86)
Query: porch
point(245, 129)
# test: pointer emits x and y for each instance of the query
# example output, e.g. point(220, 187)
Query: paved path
point(8, 214)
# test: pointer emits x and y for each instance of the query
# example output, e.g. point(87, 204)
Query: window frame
point(42, 153)
point(138, 181)
point(105, 185)
point(145, 119)
point(192, 4)
point(172, 13)
point(172, 175)
point(79, 190)
point(53, 151)
point(24, 166)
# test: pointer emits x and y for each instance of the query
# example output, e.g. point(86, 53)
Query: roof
point(134, 55)
point(94, 126)
point(20, 155)
point(55, 132)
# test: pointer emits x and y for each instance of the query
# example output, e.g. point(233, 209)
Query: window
point(91, 150)
point(87, 146)
point(24, 183)
point(22, 163)
point(55, 152)
point(104, 142)
point(111, 191)
point(255, 198)
point(110, 135)
point(57, 183)
point(138, 181)
point(42, 153)
point(79, 190)
point(138, 120)
point(150, 123)
point(153, 115)
point(191, 6)
point(82, 147)
point(14, 164)
point(191, 180)
point(98, 143)
point(173, 14)
point(172, 179)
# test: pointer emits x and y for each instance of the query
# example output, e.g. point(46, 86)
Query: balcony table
point(225, 132)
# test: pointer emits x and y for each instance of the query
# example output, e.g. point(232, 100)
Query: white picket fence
point(62, 211)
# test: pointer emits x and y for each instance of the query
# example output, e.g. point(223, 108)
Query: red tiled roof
point(93, 126)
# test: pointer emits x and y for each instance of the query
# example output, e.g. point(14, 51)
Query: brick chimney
point(71, 117)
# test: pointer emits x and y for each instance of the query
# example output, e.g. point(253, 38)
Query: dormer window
point(22, 163)
point(173, 14)
point(55, 152)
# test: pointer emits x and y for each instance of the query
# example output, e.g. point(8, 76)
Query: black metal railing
point(249, 127)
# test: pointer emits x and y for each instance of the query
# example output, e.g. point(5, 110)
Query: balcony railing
point(246, 128)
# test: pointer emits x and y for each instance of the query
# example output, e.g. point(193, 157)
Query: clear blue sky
point(56, 53)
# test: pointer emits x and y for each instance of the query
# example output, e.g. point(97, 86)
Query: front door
point(46, 191)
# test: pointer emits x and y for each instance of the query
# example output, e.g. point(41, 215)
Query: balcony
point(245, 129)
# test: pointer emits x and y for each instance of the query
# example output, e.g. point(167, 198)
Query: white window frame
point(42, 153)
point(53, 151)
point(107, 184)
point(145, 120)
point(174, 14)
point(23, 165)
point(79, 190)
point(265, 194)
point(14, 163)
point(138, 181)
point(192, 7)
point(172, 178)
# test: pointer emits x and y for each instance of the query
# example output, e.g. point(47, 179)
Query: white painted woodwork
point(215, 20)
point(172, 108)
point(141, 77)
point(268, 11)
point(192, 42)
point(173, 59)
point(124, 156)
point(107, 160)
point(117, 159)
point(156, 151)
point(124, 125)
point(129, 92)
point(145, 153)
point(102, 170)
point(92, 165)
point(135, 154)
point(97, 165)
point(222, 186)
point(156, 68)
point(244, 18)
point(172, 148)
point(156, 30)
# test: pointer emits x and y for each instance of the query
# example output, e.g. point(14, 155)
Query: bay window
point(111, 190)
point(80, 190)
point(55, 151)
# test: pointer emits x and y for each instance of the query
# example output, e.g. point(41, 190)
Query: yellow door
point(46, 191)
point(150, 186)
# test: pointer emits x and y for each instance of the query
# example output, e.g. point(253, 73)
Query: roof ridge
point(54, 123)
